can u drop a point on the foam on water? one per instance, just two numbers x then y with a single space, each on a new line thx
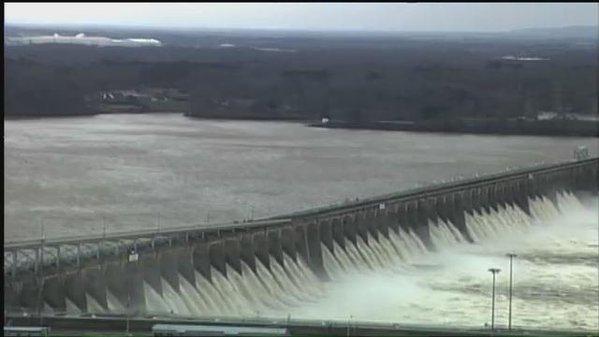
557 288
71 308
393 277
113 303
92 305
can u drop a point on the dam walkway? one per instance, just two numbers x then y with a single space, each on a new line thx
112 272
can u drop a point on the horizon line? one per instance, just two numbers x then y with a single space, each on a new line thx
275 29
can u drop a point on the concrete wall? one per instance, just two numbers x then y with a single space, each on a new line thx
302 238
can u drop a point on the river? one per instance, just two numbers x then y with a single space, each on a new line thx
70 176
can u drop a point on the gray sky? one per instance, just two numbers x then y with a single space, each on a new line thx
311 16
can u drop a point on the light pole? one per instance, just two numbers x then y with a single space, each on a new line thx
128 312
103 232
349 324
40 303
493 271
158 221
511 256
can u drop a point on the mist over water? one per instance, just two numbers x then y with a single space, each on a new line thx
128 168
396 279
555 276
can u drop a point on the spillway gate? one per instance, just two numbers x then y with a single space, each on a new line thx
81 270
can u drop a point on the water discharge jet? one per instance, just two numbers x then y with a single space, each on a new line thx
332 264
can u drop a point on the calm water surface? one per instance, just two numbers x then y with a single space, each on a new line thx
71 175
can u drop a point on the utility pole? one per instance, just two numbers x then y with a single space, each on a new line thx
511 256
493 271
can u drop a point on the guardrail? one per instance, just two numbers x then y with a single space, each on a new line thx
431 190
35 249
32 243
286 218
36 254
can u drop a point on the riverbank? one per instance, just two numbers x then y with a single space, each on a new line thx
570 128
87 114
561 128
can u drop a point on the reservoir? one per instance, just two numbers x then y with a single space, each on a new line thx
124 172
72 176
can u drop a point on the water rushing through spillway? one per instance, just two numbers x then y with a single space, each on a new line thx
395 278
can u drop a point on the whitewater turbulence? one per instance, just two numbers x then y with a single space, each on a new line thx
396 277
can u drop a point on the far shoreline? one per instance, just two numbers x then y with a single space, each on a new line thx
402 126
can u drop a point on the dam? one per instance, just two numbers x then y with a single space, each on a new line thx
267 266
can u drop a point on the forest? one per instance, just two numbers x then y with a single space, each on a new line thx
346 77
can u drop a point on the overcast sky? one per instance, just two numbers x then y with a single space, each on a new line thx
311 16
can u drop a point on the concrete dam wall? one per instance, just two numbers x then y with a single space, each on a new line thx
283 261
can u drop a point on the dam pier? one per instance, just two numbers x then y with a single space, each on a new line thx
212 270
